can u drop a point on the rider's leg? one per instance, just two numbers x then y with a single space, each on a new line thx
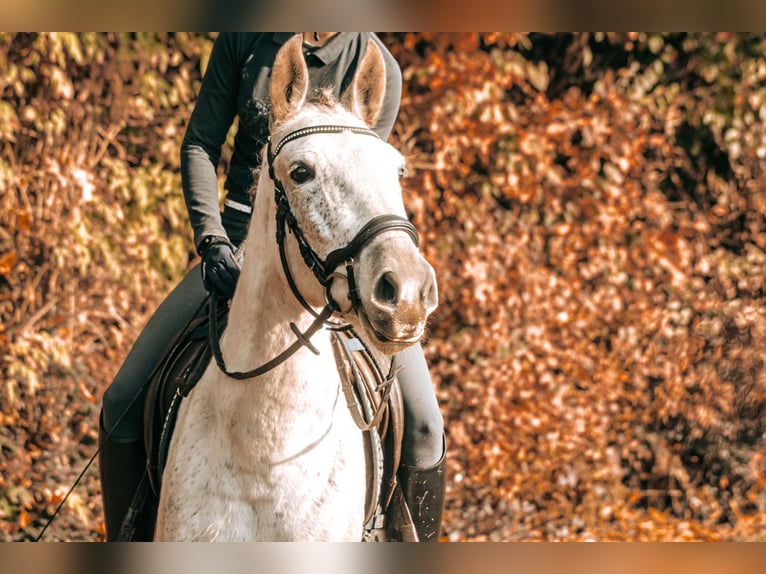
423 449
122 455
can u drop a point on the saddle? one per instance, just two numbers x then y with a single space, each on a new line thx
374 400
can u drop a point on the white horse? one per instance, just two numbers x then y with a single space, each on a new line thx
277 456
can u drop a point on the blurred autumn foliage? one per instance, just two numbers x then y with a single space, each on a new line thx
594 206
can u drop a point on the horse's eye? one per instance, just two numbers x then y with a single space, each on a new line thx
301 174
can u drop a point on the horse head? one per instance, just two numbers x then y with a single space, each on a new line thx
339 192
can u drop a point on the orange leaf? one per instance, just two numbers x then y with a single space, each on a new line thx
24 519
7 261
23 220
100 528
87 394
58 494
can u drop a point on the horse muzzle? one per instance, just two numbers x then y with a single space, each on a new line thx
397 303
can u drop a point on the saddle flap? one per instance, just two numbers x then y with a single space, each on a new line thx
182 366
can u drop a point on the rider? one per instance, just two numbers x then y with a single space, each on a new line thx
236 85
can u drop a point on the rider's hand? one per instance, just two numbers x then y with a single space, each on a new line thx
220 269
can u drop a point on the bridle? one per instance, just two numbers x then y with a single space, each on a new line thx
323 269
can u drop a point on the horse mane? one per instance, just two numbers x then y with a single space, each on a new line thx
323 98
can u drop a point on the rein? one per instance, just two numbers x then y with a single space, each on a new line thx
323 269
302 340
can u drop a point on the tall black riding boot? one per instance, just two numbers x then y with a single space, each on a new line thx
121 467
423 489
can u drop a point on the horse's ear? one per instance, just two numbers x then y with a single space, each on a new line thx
364 97
289 80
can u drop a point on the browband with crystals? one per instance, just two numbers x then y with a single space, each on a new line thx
318 130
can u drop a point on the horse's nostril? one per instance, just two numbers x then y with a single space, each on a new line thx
386 290
431 296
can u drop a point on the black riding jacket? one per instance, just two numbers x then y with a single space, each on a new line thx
236 85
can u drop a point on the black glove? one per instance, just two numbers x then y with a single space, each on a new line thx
220 270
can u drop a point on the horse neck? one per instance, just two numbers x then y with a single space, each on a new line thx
263 307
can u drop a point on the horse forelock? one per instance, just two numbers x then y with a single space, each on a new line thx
323 98
321 107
